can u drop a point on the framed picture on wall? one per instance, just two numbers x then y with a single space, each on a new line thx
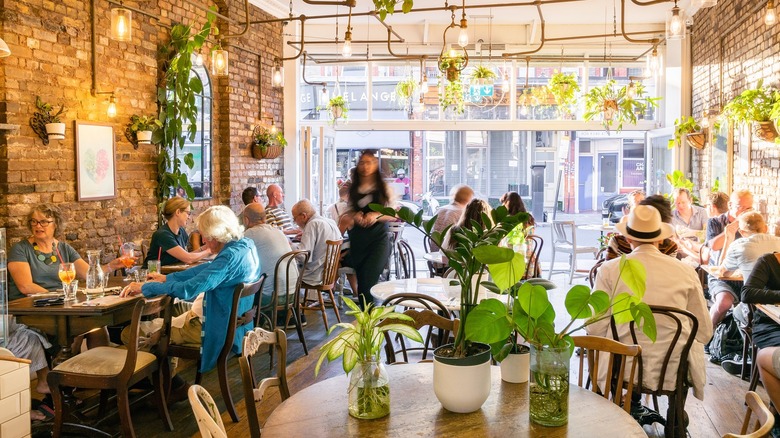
95 162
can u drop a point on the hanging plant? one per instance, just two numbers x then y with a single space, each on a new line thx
46 122
405 91
688 128
337 109
564 89
267 144
758 107
451 63
384 7
453 97
482 75
615 106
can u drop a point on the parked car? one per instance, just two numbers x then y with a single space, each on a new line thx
612 208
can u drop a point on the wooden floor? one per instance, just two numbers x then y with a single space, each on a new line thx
721 412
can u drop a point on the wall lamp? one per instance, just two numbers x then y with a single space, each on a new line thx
219 61
4 50
770 18
111 111
277 79
121 23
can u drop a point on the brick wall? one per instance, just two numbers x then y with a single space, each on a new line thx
51 57
732 50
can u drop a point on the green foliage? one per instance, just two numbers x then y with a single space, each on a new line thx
338 102
176 97
384 7
482 72
45 111
453 97
144 123
405 91
528 312
716 185
755 104
609 97
683 127
476 248
678 180
265 138
564 89
362 339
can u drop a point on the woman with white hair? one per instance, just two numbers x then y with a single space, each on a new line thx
236 262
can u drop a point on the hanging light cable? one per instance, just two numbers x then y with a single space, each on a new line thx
770 18
463 35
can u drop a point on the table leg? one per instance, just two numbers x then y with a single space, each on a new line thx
64 340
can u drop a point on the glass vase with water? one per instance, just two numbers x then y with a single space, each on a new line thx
94 275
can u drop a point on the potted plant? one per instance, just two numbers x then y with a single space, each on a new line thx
267 144
358 345
615 105
47 123
143 127
564 89
338 108
461 371
529 313
690 129
453 97
405 90
756 106
451 63
482 75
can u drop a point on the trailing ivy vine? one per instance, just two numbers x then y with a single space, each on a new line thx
177 97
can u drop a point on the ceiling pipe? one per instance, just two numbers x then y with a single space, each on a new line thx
205 9
303 72
390 49
604 35
389 28
650 3
347 3
541 43
246 24
541 58
302 19
653 41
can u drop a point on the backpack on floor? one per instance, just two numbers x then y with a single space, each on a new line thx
726 341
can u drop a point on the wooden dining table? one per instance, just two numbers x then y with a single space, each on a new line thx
434 287
723 275
321 410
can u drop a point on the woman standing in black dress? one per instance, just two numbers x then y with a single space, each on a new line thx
369 241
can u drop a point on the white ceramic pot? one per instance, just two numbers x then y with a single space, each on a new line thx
462 388
144 137
56 131
515 367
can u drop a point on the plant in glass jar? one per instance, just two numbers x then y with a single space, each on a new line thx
359 345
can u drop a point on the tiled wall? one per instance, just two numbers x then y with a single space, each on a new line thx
14 399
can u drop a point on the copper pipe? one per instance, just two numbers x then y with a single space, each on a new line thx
303 73
605 35
653 41
542 41
389 28
320 42
347 3
390 49
246 24
300 52
205 9
544 58
652 2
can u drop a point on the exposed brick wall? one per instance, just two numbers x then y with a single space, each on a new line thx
51 57
750 51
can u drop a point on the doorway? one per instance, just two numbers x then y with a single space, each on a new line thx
608 176
585 183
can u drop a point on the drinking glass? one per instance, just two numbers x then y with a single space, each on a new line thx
127 257
154 266
67 274
70 290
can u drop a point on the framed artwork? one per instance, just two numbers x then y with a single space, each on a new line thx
95 161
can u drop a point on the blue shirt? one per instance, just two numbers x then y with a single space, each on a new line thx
237 263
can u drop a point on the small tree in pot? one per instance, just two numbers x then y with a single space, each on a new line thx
47 123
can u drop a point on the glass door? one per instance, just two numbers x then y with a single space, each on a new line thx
319 165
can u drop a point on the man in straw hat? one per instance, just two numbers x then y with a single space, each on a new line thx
669 282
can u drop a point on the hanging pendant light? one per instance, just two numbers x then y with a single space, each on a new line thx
346 49
631 90
111 112
705 120
653 61
463 35
675 23
197 59
219 62
278 76
121 24
770 18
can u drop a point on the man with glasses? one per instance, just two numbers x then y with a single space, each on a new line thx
721 232
316 230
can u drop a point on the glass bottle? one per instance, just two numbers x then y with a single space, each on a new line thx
94 275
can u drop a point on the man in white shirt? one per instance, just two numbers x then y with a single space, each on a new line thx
450 213
316 231
670 283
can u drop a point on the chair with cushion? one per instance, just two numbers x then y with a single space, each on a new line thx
426 312
254 389
252 316
108 368
330 271
564 237
616 352
206 413
533 262
405 265
765 421
679 348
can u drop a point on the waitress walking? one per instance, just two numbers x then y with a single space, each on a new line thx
369 240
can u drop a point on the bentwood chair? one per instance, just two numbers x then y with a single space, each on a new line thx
117 369
426 312
405 265
254 389
251 316
330 271
564 237
765 421
533 264
206 413
616 361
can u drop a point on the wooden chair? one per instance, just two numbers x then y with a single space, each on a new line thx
426 312
617 354
765 421
330 271
287 282
675 414
564 237
253 389
242 290
405 265
206 413
118 369
534 266
434 269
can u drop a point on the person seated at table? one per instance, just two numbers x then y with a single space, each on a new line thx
472 213
340 207
250 195
236 262
718 204
275 214
721 232
34 267
271 244
514 204
170 241
699 252
632 200
669 282
685 214
618 244
450 214
316 230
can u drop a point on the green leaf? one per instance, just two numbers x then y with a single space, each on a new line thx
621 307
488 322
633 274
581 304
507 274
491 254
533 300
404 330
645 319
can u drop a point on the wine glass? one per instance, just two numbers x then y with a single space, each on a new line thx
67 274
127 257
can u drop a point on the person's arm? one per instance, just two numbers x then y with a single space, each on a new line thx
730 261
22 276
755 289
698 306
188 257
187 284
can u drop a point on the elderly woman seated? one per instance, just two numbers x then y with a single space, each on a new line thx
34 267
236 262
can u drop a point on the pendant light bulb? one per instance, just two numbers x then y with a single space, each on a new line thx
121 24
111 112
463 35
631 90
219 62
278 76
654 61
675 24
198 59
273 126
346 49
770 18
705 121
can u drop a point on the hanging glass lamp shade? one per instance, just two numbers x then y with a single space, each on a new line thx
121 24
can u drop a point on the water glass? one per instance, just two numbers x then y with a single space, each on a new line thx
154 266
140 275
70 290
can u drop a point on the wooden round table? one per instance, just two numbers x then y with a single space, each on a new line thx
321 410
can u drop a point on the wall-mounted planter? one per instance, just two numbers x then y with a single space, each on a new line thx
765 131
268 152
144 137
46 123
55 131
696 140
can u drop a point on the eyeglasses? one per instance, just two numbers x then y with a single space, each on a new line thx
44 223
